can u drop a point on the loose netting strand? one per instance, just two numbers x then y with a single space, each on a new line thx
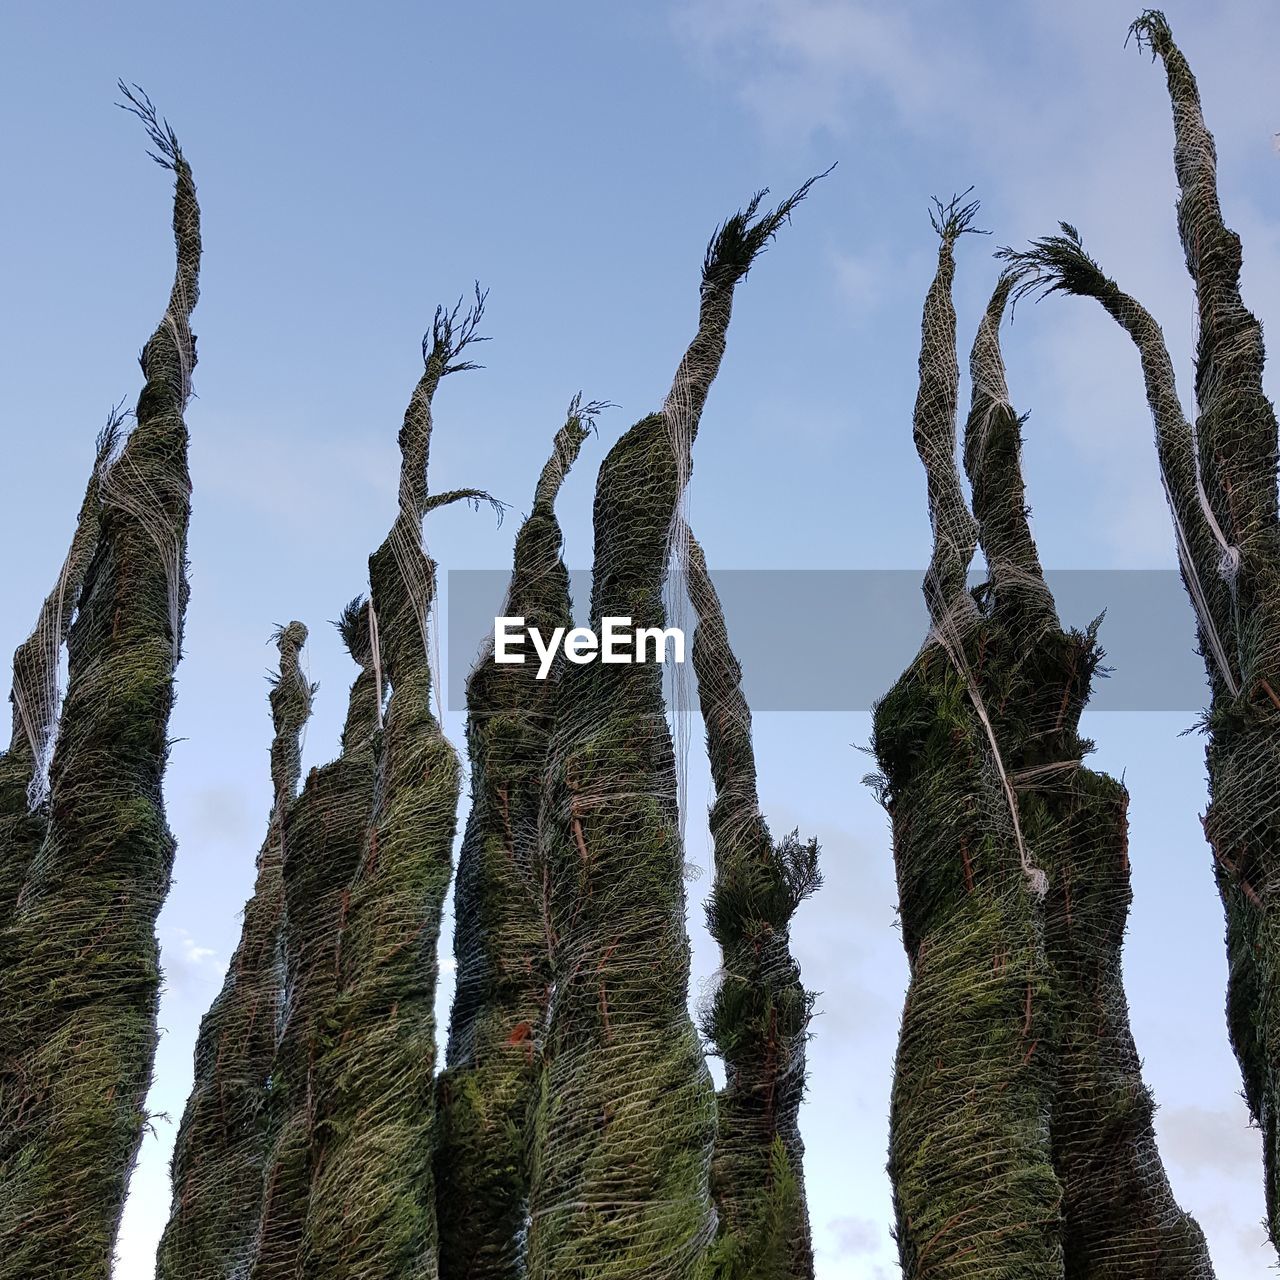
501 941
626 1117
80 957
757 1017
219 1157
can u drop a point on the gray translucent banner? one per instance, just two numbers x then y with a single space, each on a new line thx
837 639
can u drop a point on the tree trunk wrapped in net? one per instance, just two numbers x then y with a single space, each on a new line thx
1119 1214
1044 1161
35 694
1220 478
219 1157
971 1161
323 831
80 957
371 1211
500 940
757 1019
626 1118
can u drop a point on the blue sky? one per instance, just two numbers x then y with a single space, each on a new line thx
356 170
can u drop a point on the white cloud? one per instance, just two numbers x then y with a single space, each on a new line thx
798 64
1053 118
1200 1139
190 967
855 1237
195 954
1046 111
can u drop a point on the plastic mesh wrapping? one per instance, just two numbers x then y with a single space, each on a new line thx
626 1116
1119 1214
1021 1131
371 1211
80 958
219 1157
1219 474
323 832
758 1015
323 1038
975 1191
500 940
36 697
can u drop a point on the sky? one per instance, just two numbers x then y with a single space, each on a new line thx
354 171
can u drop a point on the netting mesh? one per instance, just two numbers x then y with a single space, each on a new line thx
500 941
1021 1136
219 1156
975 1193
757 1017
36 696
82 977
372 1206
349 1116
1119 1214
323 831
1219 474
626 1115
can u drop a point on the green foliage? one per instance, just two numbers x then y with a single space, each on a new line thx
486 1093
626 1118
220 1156
758 1017
1220 479
79 954
1021 1137
371 1202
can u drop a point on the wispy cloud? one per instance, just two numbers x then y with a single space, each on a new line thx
800 65
855 1237
1200 1139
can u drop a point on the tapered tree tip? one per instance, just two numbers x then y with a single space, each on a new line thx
167 153
111 436
740 239
702 591
1151 31
955 218
582 417
452 331
580 421
353 627
290 637
697 558
1005 286
1055 264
